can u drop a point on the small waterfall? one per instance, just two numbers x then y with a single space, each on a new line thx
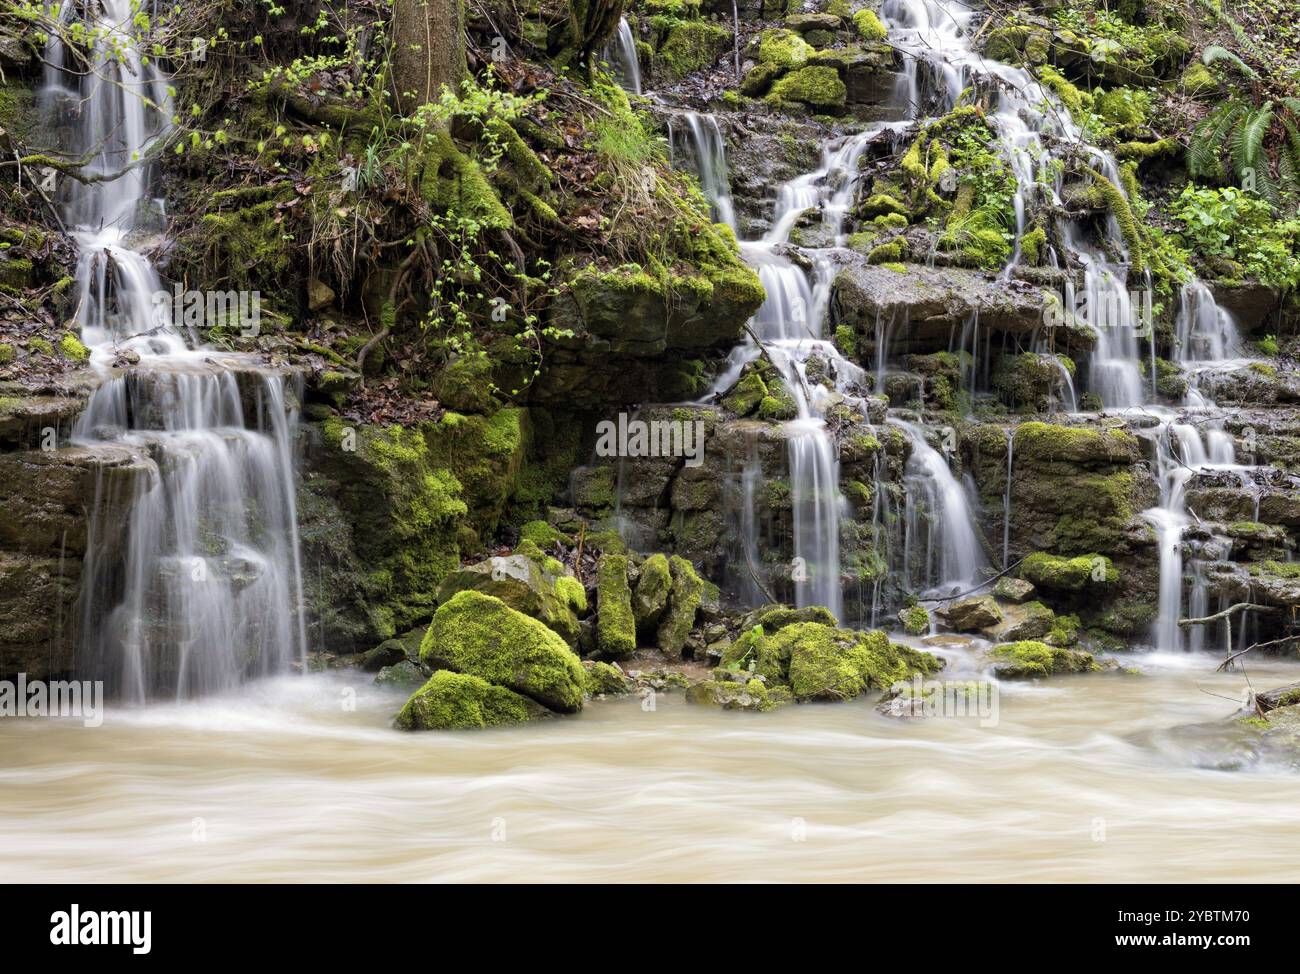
938 509
621 55
699 140
207 588
1006 502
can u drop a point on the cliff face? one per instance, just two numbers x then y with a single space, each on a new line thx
465 290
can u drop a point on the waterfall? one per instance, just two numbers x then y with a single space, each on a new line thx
700 141
621 55
207 587
937 512
1006 502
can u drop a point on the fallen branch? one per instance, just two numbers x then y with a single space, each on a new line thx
1239 607
972 591
1272 642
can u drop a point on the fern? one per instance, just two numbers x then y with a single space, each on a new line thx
1217 52
1208 138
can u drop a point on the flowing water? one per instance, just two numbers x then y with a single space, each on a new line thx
621 55
1089 778
205 589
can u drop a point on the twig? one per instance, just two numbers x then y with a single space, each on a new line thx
960 595
1239 607
1272 642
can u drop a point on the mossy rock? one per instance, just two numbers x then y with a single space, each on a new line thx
479 635
752 695
868 26
915 620
615 623
683 602
651 596
819 87
1077 445
522 583
1060 574
457 701
690 46
1028 659
759 79
783 49
747 394
606 679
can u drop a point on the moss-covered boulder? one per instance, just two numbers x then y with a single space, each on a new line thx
457 701
683 602
817 86
615 621
1059 574
753 695
480 635
915 620
524 585
821 662
1033 659
606 679
970 615
652 588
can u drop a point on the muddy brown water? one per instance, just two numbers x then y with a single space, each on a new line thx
1085 778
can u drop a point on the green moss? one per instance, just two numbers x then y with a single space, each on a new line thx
1047 442
40 346
747 394
453 182
778 405
1031 659
818 87
1148 150
571 592
1278 569
753 695
1068 574
892 252
544 535
482 636
7 353
1197 80
1032 245
1064 631
615 623
683 602
783 48
869 26
72 348
882 204
916 620
1110 196
652 590
1076 100
606 678
690 46
456 701
846 340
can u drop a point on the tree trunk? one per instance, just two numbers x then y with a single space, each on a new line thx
591 24
428 50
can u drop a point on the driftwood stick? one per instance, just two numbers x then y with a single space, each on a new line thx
1272 642
1239 607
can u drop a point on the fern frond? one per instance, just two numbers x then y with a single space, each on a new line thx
1217 52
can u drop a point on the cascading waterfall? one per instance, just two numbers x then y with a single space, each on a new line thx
937 520
621 55
207 587
698 137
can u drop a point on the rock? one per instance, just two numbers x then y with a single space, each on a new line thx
1008 589
480 635
651 596
970 615
934 301
615 622
752 695
805 22
1287 696
520 583
456 701
774 617
1060 574
683 603
407 673
606 679
319 295
1033 659
1032 620
393 651
817 86
915 620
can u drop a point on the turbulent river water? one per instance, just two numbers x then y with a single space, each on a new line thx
1087 778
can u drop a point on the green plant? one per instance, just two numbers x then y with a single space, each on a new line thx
1233 224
